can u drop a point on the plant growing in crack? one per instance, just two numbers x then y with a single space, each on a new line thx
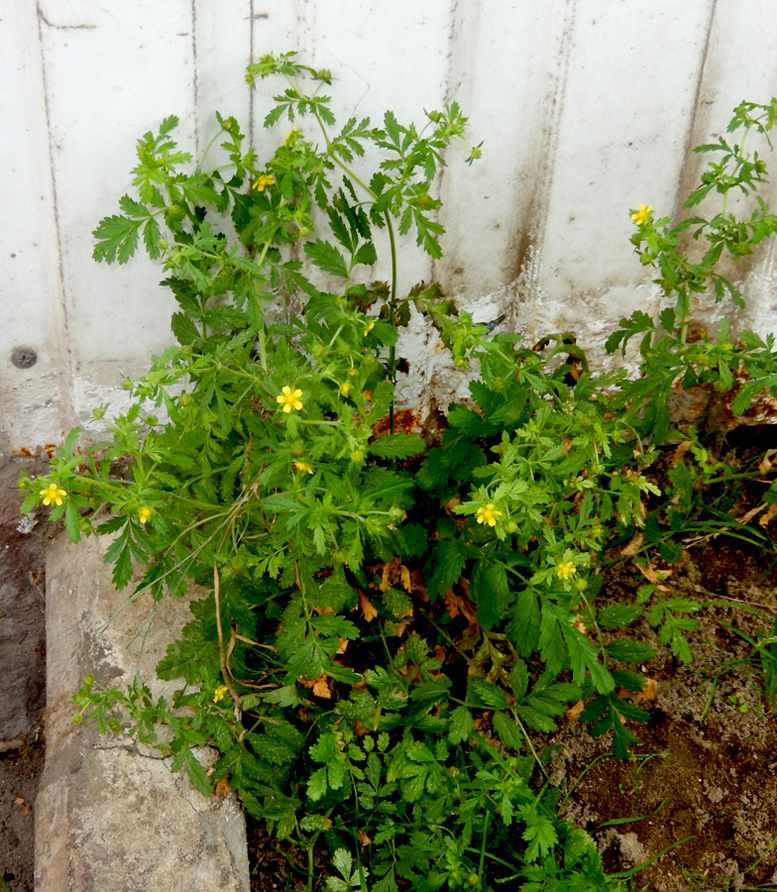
392 625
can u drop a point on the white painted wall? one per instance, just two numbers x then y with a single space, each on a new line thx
586 108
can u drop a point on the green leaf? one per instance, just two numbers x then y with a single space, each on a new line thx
616 616
72 522
188 660
449 563
630 651
540 832
327 258
399 445
584 656
509 732
519 679
334 593
536 719
485 693
524 628
151 238
343 863
132 208
117 239
413 787
366 254
197 773
490 591
461 725
316 788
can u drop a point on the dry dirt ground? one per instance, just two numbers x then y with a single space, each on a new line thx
705 768
704 771
23 669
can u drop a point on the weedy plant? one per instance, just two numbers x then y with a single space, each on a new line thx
392 624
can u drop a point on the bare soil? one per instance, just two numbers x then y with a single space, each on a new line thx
704 773
23 667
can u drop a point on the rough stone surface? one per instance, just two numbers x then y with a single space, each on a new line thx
108 816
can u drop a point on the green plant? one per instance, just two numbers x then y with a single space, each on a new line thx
392 625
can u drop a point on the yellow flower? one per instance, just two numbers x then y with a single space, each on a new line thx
53 493
487 515
266 179
641 214
345 388
291 136
369 326
303 466
289 399
565 570
218 694
353 372
144 513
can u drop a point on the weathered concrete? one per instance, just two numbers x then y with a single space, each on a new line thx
109 815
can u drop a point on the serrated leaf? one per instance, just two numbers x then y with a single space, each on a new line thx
413 787
197 773
535 719
366 254
343 863
461 725
398 446
335 593
72 522
524 628
519 679
117 239
487 694
132 207
151 237
312 823
509 732
616 616
187 659
316 788
630 711
449 564
489 588
184 329
630 651
539 833
327 258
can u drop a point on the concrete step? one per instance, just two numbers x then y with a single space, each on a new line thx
110 816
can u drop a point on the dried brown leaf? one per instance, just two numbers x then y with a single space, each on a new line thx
368 608
771 513
633 546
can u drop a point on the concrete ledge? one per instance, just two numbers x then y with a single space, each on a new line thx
110 818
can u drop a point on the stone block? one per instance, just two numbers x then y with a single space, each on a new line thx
110 816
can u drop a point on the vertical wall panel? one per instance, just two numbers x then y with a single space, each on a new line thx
112 71
34 401
725 82
386 54
628 93
585 110
506 72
